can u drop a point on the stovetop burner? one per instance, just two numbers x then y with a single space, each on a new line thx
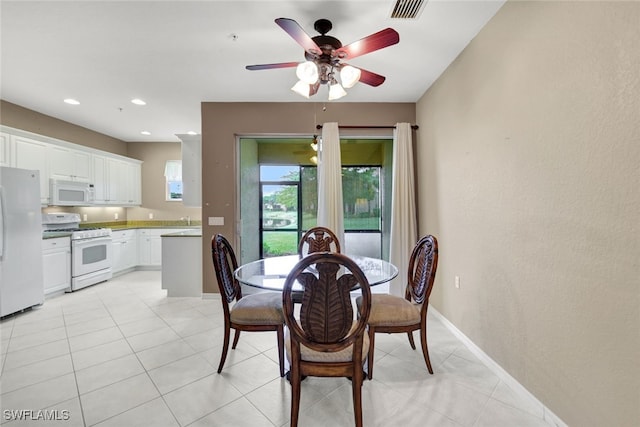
71 229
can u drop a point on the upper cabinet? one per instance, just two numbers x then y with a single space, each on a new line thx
69 164
5 149
32 154
191 170
116 179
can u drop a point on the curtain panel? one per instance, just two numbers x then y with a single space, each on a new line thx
330 207
403 207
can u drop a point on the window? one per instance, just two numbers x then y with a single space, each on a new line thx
173 177
288 207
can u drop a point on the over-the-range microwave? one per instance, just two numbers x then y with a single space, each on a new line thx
71 193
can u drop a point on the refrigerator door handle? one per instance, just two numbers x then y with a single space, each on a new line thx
1 222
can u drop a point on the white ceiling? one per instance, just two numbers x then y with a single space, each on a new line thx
177 54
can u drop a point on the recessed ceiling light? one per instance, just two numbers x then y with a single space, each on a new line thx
138 101
145 132
72 101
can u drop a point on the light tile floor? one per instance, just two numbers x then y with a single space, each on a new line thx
122 353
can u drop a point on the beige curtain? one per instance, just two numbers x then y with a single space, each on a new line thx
330 210
403 207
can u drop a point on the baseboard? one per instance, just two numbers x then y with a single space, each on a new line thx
504 376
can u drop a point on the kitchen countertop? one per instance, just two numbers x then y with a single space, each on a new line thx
193 230
185 233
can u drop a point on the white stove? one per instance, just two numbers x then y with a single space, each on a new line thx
90 248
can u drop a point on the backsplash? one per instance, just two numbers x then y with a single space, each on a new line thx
142 224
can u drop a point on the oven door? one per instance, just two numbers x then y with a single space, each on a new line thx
90 255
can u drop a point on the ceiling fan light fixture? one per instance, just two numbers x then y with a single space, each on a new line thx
349 76
307 72
305 89
336 91
302 89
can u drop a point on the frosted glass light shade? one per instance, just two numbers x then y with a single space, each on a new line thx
307 72
336 92
304 89
301 88
349 76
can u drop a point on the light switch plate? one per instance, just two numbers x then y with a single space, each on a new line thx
216 220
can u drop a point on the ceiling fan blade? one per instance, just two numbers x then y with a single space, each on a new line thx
272 66
376 41
370 78
299 35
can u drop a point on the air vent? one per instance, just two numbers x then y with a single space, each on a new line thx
407 9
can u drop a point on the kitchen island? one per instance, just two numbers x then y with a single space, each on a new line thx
182 263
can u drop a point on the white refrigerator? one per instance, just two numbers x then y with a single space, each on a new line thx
21 281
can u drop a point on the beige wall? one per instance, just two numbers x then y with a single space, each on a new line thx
529 147
223 122
17 117
155 156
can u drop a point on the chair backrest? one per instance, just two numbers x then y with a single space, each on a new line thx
422 269
326 320
318 239
225 263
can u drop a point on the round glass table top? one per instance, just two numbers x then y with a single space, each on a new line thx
271 273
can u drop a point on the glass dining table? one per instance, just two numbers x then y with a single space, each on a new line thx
271 273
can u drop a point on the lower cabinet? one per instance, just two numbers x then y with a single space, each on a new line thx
150 246
125 250
56 264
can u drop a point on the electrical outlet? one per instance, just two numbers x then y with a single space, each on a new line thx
84 217
150 215
457 282
115 215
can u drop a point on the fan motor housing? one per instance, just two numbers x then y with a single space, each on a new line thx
328 45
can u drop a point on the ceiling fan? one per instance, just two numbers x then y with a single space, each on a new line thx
325 55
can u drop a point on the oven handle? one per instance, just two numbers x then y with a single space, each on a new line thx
82 242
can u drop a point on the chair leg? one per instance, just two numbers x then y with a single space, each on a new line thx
425 350
295 395
236 337
372 338
280 334
356 385
410 336
225 347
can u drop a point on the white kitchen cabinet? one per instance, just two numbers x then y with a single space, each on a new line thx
5 149
150 245
69 164
56 264
134 183
100 179
125 250
31 154
191 170
116 181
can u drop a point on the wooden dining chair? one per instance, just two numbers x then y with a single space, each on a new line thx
391 314
325 341
318 239
252 313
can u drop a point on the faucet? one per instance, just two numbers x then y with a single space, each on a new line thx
188 219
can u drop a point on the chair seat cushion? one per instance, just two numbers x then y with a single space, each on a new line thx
390 310
264 308
310 355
